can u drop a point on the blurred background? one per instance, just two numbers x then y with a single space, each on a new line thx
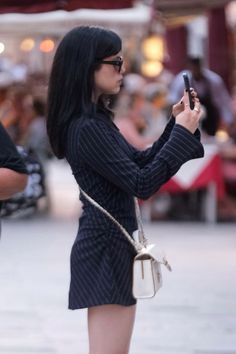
192 216
160 39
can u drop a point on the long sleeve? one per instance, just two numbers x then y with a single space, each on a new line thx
98 148
145 156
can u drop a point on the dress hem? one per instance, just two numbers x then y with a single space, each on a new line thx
105 303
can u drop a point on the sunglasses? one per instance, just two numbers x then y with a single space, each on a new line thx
117 63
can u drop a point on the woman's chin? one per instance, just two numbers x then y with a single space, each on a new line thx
116 90
113 91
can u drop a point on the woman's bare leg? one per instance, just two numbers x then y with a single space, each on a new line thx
110 328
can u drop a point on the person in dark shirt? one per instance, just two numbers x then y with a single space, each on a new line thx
13 173
87 69
212 92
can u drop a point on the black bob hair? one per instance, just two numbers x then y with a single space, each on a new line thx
71 81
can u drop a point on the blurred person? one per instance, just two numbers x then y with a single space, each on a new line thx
131 122
165 77
218 114
211 92
19 71
13 173
156 109
21 99
5 64
7 110
87 69
134 82
36 138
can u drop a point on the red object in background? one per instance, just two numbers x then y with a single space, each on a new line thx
213 172
29 6
176 40
219 57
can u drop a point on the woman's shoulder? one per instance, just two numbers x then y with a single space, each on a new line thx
95 121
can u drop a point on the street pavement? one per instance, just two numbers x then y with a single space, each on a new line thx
194 312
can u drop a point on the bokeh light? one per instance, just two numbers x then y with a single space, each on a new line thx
153 47
47 45
2 47
27 44
151 68
222 135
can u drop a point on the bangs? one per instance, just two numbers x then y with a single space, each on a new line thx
109 43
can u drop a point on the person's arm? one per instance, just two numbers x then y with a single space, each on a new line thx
145 156
13 173
11 182
100 150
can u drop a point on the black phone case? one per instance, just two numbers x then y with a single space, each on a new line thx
187 88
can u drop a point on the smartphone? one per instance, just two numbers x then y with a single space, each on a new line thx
187 88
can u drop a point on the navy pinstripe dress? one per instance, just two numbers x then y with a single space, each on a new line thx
112 171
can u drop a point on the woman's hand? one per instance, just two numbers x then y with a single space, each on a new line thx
179 107
186 117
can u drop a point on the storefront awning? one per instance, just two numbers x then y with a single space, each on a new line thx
35 6
58 22
179 12
173 8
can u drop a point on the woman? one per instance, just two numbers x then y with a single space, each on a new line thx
87 68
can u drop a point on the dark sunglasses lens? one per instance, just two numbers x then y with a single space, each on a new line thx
118 65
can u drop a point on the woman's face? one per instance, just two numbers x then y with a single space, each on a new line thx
108 78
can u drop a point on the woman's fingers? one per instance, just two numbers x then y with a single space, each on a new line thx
189 118
185 116
185 99
178 107
193 92
197 107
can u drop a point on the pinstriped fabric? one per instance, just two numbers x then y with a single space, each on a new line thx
101 272
112 171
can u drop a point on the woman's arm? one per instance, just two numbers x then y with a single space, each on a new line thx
145 156
98 148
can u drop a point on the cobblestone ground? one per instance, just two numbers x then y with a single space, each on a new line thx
194 312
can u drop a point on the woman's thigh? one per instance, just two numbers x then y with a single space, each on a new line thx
110 328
